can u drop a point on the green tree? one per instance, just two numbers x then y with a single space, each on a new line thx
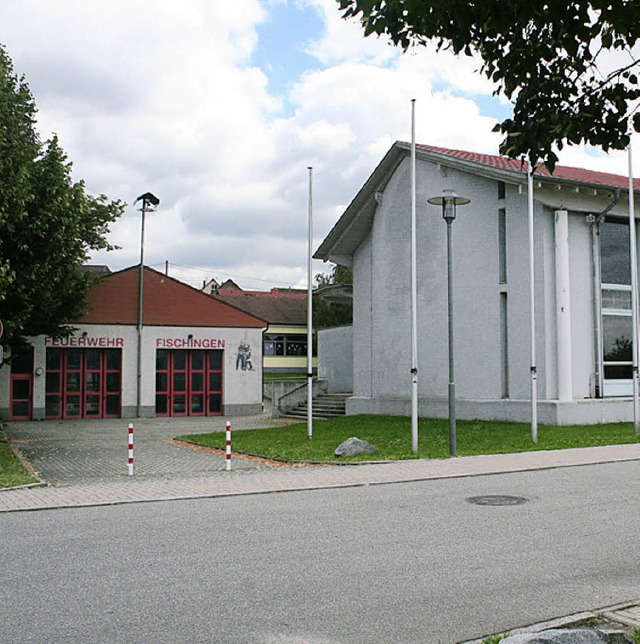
566 65
328 314
48 223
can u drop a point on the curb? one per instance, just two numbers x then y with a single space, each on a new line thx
609 614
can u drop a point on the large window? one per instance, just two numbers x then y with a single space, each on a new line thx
502 246
617 327
294 344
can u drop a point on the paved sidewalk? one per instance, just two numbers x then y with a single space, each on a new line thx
99 464
74 452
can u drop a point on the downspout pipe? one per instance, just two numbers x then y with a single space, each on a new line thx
595 221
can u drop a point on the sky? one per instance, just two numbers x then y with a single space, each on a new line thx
219 108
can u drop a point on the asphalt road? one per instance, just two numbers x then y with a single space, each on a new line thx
407 562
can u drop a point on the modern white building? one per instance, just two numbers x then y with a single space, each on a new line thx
193 356
583 315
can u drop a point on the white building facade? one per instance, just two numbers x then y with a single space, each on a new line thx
582 289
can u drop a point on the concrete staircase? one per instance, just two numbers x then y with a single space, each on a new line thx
324 406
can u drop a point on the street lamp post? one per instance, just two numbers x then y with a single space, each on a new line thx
149 203
449 201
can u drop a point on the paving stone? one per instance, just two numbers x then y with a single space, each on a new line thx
86 464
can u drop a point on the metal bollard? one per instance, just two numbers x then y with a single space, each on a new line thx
130 449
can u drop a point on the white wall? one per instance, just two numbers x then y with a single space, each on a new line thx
382 323
335 358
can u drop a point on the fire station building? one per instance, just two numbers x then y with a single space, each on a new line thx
192 356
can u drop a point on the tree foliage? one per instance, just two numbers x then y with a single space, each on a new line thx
330 314
48 223
566 65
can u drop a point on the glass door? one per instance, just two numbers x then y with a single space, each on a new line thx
72 395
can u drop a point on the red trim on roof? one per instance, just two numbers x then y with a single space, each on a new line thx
578 175
167 302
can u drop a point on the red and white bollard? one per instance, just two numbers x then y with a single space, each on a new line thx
130 449
228 456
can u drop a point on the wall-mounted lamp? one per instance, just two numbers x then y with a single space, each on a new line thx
39 371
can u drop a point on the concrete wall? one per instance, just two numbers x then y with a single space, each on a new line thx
335 358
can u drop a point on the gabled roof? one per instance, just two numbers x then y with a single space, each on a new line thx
99 269
229 285
356 220
167 302
274 308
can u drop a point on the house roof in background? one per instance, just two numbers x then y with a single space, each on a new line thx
167 302
274 307
229 285
98 269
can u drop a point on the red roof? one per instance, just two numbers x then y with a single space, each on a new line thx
578 175
167 302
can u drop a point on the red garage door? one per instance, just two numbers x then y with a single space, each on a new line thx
83 383
188 382
21 387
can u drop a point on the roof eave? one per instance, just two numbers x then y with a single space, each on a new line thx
339 245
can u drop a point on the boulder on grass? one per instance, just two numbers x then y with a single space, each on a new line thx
353 446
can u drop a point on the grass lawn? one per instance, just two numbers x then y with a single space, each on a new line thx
12 471
391 436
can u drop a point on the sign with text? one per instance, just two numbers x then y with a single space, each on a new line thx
84 341
189 343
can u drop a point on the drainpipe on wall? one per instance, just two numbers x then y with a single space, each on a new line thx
595 221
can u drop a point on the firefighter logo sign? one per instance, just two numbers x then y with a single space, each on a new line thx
243 357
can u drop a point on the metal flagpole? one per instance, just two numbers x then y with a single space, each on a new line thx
532 309
310 314
414 290
634 292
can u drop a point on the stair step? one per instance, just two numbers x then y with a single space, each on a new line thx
324 406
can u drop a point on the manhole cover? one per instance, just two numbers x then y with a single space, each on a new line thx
496 499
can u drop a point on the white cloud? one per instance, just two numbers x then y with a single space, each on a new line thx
163 96
342 40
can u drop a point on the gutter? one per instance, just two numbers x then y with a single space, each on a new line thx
595 221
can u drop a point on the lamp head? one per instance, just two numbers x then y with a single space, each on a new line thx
449 201
148 199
